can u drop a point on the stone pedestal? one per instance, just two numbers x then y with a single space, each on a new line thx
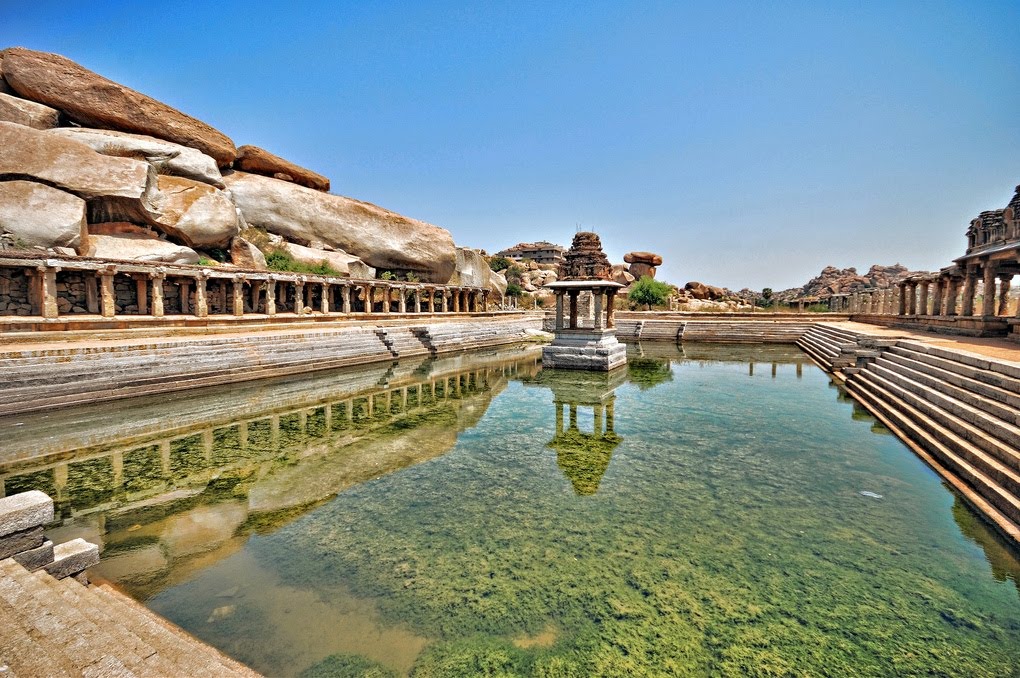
584 349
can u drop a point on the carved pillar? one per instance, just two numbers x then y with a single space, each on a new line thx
201 298
299 295
387 298
940 293
1004 284
485 301
324 301
308 298
455 300
270 296
431 291
238 285
157 293
417 300
610 297
443 301
107 295
255 294
902 309
969 290
347 298
988 299
142 293
402 299
184 293
951 294
48 291
369 294
912 299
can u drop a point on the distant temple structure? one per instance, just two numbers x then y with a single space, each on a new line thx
585 271
540 252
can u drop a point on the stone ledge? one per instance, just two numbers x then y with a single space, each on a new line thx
24 511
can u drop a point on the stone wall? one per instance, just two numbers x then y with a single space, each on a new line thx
15 288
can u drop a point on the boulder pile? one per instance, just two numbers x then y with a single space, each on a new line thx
93 168
642 264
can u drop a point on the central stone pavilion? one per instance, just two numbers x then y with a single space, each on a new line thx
589 343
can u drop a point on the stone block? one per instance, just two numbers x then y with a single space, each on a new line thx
16 542
73 557
24 511
35 558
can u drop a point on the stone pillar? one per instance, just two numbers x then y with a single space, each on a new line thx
417 300
1004 284
598 312
369 294
456 300
912 299
324 301
108 297
485 301
443 301
387 297
346 296
157 293
951 294
572 294
201 299
92 292
940 293
902 308
988 299
270 296
610 297
238 285
308 298
559 309
142 293
922 298
402 299
969 290
299 295
48 291
184 295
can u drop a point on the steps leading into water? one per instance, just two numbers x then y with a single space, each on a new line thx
960 412
57 627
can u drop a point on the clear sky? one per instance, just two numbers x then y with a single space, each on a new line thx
750 144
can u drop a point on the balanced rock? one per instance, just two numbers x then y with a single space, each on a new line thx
472 269
643 258
640 270
36 215
195 213
28 113
245 255
340 261
116 189
93 101
620 274
260 161
166 156
382 239
133 246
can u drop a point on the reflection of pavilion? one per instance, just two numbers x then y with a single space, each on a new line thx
584 456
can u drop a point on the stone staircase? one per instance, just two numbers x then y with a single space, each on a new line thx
836 349
960 412
745 331
34 379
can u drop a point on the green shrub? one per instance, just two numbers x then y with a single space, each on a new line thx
649 291
278 260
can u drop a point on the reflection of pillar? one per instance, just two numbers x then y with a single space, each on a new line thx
327 417
349 409
750 369
573 416
164 457
559 418
800 370
597 417
302 419
773 370
117 461
242 435
60 479
207 444
371 405
274 431
610 409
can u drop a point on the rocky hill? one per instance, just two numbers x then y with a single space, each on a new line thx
89 167
833 280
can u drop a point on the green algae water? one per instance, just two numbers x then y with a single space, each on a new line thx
706 510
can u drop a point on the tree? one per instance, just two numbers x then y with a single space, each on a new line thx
514 290
649 291
500 263
766 295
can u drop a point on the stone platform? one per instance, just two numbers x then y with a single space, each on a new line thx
584 349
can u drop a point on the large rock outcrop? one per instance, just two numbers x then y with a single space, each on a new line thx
28 113
245 255
195 213
343 263
497 283
382 239
472 269
260 161
116 189
93 101
132 243
166 156
34 214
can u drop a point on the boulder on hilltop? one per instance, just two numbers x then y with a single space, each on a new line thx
91 100
260 161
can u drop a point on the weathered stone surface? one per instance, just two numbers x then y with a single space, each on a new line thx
621 275
37 557
24 510
497 283
117 189
472 269
195 213
137 247
345 263
4 87
72 557
643 258
382 239
28 113
700 290
38 215
640 270
166 156
260 161
94 101
245 255
23 540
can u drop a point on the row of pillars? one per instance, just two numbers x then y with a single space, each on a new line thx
602 417
333 298
603 303
947 295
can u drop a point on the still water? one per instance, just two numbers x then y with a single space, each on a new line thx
707 510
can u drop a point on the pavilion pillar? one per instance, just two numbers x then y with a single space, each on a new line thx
254 294
902 308
431 292
184 295
48 291
91 293
940 293
1004 285
485 301
369 294
417 300
107 295
142 293
952 292
238 285
988 298
201 298
456 301
912 299
969 290
922 297
610 298
324 301
572 294
559 310
402 299
270 297
443 301
387 297
308 298
157 293
299 296
345 296
598 313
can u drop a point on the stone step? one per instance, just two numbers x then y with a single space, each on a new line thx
1000 506
822 360
1002 375
981 430
821 346
27 654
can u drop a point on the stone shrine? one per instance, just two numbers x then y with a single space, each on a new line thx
585 270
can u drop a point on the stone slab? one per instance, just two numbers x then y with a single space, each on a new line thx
24 511
24 540
72 557
35 558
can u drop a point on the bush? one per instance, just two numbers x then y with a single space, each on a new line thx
500 263
649 291
278 260
514 290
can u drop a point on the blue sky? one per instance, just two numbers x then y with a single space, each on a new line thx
750 144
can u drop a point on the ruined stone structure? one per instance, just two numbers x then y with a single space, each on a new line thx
540 252
585 259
